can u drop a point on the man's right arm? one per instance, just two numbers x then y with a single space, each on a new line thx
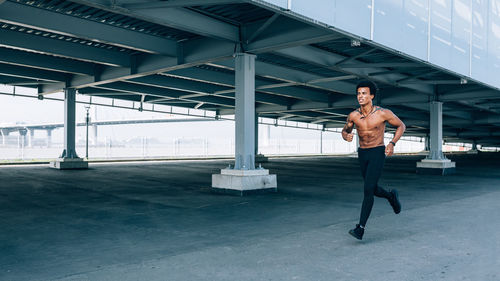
347 130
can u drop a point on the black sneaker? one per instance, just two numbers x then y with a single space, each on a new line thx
396 205
357 232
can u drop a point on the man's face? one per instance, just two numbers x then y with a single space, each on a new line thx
364 95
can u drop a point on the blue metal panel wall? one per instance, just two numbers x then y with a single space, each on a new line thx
354 16
351 16
460 35
310 8
494 41
415 27
402 25
440 33
388 23
279 3
460 29
480 24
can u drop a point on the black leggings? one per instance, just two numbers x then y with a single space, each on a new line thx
372 163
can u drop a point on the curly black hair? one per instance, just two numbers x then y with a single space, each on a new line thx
369 84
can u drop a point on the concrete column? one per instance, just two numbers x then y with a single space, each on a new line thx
94 127
21 141
24 136
31 137
244 178
245 112
69 124
436 131
69 159
321 142
3 137
474 149
436 162
49 138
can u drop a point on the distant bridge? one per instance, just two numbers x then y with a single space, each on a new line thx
28 130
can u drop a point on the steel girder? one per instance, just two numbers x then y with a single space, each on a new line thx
32 17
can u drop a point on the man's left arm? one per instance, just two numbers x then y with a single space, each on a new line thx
392 119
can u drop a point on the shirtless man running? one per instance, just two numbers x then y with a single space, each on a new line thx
370 125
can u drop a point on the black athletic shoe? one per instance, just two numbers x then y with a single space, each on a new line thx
357 232
396 205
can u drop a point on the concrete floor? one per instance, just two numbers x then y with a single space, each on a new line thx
159 221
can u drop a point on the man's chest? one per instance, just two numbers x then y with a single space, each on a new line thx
369 123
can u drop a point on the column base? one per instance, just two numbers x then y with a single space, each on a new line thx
69 164
473 151
244 182
260 158
435 167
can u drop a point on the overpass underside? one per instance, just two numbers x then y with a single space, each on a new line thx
292 66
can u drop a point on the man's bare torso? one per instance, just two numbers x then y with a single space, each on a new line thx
370 128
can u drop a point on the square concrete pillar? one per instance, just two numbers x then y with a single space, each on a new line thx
243 182
244 178
436 163
69 159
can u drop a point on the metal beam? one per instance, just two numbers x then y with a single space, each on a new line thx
196 52
293 75
227 79
137 5
204 75
15 81
30 73
458 114
296 34
382 64
181 86
488 119
141 89
356 56
178 84
163 93
46 20
472 134
418 76
469 95
326 59
47 45
40 61
190 21
178 18
199 89
151 64
432 82
409 98
262 27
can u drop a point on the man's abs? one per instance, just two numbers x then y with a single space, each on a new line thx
371 138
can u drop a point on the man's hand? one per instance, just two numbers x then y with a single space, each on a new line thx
348 137
347 131
389 149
